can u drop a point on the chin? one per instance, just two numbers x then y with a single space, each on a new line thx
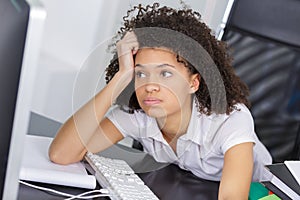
156 112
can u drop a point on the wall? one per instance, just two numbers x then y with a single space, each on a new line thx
74 31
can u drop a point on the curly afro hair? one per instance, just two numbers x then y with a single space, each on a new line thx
188 22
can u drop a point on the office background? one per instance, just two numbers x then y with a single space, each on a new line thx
73 30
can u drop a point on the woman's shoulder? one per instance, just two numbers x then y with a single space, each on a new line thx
240 110
241 107
241 115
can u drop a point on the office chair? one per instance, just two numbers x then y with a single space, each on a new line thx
296 151
264 38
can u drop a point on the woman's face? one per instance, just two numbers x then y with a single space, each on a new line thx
163 85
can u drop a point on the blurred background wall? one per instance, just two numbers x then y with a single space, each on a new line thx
75 40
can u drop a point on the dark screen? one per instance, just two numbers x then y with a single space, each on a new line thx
14 15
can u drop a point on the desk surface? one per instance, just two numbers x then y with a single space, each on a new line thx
167 181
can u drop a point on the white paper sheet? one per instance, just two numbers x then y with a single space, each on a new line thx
294 167
36 166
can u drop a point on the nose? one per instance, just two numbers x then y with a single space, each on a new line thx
152 87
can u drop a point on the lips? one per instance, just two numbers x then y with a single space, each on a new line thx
150 101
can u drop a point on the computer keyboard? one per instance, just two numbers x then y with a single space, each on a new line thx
118 177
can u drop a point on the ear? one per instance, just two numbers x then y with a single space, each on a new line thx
194 82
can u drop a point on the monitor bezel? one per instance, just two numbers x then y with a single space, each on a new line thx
37 15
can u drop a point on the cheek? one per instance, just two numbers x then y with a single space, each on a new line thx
178 88
139 92
175 96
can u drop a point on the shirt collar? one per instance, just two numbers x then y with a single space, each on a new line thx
198 129
194 129
202 127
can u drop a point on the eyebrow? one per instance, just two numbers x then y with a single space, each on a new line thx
158 66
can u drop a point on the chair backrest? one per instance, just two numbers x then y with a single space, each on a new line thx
264 37
296 151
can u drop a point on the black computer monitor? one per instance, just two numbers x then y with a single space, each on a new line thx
21 25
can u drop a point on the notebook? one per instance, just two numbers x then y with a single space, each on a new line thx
37 167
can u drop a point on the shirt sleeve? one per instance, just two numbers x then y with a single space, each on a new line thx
123 120
134 125
238 128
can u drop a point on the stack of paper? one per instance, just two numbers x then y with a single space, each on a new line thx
286 178
37 167
294 167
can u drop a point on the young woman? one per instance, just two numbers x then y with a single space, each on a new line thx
171 112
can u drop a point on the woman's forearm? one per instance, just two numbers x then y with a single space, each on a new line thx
70 143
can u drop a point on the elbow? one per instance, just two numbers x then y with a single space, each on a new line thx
233 196
59 157
233 192
56 157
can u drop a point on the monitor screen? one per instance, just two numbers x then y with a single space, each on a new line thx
20 32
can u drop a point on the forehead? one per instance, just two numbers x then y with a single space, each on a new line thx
155 56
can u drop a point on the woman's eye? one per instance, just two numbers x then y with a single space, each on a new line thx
166 74
140 75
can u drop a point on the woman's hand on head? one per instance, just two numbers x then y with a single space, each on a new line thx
126 48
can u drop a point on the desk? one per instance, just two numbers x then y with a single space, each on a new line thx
167 181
